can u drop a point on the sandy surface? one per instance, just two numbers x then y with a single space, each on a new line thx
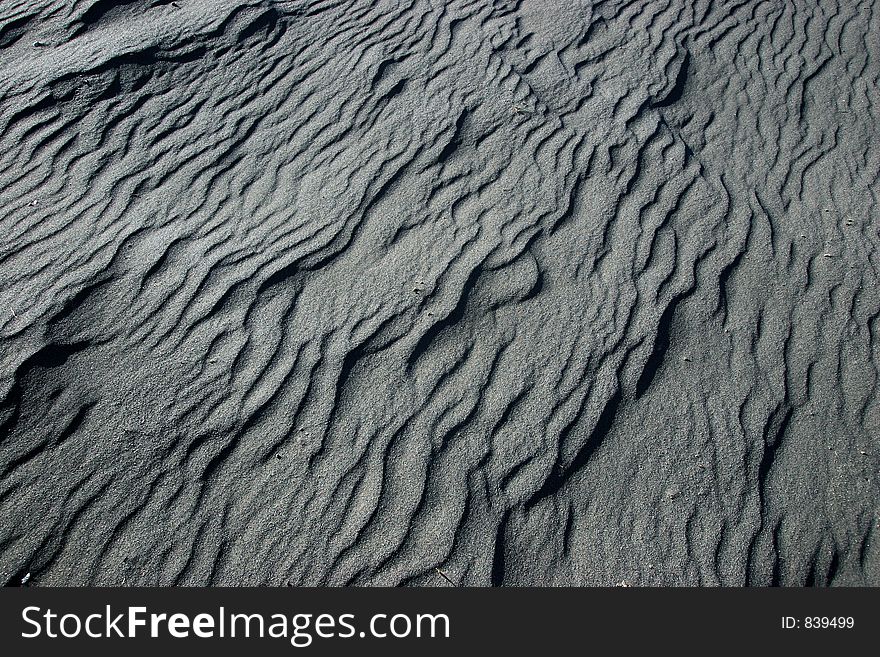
347 292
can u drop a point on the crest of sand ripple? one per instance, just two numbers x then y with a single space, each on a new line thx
526 292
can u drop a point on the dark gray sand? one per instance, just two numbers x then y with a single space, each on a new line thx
350 292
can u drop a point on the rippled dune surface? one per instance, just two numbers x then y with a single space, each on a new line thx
422 292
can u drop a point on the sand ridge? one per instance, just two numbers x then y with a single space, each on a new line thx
493 293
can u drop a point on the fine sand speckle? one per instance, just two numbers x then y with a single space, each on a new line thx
439 293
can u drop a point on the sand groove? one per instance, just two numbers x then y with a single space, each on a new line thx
342 292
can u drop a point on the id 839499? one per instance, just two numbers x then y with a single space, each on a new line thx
818 622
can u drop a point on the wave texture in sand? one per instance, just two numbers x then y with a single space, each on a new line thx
349 292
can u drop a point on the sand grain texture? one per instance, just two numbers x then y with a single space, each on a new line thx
340 292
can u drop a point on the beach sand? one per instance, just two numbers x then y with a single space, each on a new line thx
329 292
